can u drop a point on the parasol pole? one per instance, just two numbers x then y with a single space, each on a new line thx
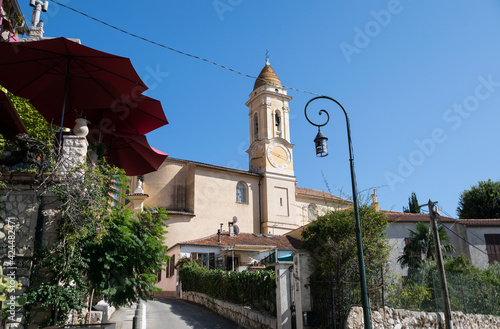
100 125
64 101
109 147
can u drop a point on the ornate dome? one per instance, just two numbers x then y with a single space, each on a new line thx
267 77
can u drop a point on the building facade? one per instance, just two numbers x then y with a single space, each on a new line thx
202 197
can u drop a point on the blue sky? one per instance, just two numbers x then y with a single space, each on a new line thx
420 81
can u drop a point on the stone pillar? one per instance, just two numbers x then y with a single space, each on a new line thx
137 198
136 201
301 274
73 153
283 295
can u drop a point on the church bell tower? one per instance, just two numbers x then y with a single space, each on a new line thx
270 147
270 151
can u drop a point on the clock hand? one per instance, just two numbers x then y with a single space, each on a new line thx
279 156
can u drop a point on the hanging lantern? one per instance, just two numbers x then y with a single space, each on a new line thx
321 144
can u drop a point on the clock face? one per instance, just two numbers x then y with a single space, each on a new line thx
257 157
278 155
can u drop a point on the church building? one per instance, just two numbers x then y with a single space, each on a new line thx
203 198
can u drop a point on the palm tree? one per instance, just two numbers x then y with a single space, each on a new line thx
421 243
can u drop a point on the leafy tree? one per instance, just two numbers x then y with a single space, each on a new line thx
422 243
100 247
35 123
123 267
59 283
331 238
413 206
480 201
331 241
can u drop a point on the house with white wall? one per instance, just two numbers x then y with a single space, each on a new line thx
226 250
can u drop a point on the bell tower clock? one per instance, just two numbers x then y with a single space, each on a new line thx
270 153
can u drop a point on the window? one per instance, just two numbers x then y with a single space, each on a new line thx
255 126
241 192
204 259
229 263
312 211
277 123
493 247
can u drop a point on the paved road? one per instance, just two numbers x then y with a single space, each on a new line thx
180 314
123 317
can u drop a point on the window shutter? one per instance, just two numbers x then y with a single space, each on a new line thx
211 261
172 265
492 247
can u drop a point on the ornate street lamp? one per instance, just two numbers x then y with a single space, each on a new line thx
322 150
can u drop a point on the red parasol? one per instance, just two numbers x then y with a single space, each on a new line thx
64 75
132 153
139 116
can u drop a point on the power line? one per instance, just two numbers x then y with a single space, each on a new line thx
178 51
464 240
447 214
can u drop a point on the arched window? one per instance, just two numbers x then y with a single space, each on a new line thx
241 192
277 123
312 211
255 126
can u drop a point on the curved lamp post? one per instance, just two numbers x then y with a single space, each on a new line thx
322 151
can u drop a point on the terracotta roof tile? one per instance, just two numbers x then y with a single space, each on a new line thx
318 194
247 239
394 216
267 77
481 222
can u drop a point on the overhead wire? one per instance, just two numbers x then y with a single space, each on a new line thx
458 236
223 67
176 50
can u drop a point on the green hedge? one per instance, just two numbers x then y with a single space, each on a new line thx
254 289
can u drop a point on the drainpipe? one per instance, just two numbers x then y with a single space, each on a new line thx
260 205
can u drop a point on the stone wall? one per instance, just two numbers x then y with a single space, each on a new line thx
402 319
243 316
18 220
25 216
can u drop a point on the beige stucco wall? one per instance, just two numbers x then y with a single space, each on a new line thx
322 206
200 198
278 212
171 186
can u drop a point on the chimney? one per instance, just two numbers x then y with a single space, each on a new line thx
374 204
218 236
231 228
36 28
38 6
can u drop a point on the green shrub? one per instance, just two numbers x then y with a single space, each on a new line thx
254 289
